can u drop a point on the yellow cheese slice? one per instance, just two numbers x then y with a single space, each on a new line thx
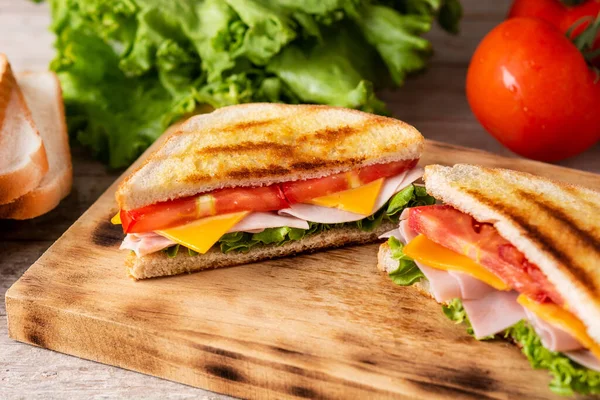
116 220
436 256
202 234
563 319
360 200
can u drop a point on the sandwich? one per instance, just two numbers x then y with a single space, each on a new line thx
42 94
257 181
513 256
23 162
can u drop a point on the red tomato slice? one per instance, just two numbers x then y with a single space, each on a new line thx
177 212
302 191
159 216
482 243
268 198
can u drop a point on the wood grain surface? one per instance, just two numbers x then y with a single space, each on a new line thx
433 101
327 325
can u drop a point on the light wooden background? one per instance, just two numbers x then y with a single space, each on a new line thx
434 102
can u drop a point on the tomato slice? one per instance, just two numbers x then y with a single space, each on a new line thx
224 201
268 198
302 191
482 243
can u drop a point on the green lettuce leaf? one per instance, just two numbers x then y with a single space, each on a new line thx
568 376
130 68
397 38
407 272
324 75
449 16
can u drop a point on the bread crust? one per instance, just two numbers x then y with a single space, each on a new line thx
262 144
19 181
555 225
158 264
57 182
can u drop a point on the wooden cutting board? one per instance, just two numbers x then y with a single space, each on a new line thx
327 325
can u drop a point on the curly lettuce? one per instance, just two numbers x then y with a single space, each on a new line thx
130 68
568 377
410 196
407 272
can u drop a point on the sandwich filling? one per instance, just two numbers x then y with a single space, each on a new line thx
483 279
237 219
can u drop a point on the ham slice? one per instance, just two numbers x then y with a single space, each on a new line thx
441 284
470 288
328 215
145 243
553 338
494 313
393 233
259 221
585 358
407 234
151 242
324 215
394 184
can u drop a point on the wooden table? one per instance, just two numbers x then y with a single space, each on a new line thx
434 102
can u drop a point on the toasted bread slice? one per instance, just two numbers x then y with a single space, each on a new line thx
23 161
556 225
159 264
262 144
44 97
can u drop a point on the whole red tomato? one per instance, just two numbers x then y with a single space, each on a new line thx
560 15
531 88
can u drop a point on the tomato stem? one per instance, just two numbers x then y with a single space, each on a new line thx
585 40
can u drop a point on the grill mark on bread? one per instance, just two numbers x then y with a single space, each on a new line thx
315 164
277 170
588 238
584 237
536 235
240 126
281 149
247 173
333 134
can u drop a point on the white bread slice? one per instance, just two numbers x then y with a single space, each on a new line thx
44 97
555 225
158 264
262 144
23 161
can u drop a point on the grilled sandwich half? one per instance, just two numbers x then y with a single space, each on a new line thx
256 181
512 254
